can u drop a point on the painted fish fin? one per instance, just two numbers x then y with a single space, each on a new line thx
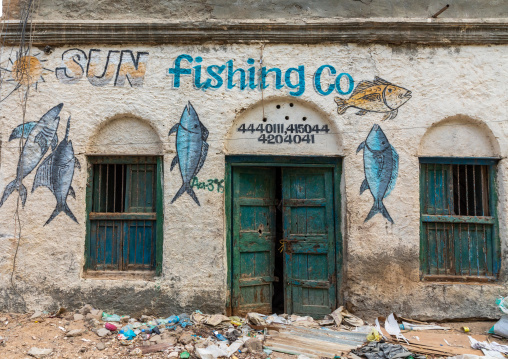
173 129
59 209
174 162
361 147
202 158
379 207
391 115
361 112
22 130
342 105
204 131
41 141
362 86
364 186
71 192
77 163
380 81
43 175
11 187
372 97
395 172
54 142
186 188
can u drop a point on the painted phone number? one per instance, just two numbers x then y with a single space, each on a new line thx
279 133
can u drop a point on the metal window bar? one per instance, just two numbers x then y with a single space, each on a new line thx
456 203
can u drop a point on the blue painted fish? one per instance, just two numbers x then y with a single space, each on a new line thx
56 173
39 136
381 167
191 149
375 96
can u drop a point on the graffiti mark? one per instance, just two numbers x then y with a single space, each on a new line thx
377 96
120 65
381 168
39 137
210 184
26 70
191 149
56 173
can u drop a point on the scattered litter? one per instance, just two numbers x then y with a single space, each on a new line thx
492 349
501 327
62 329
375 350
392 327
410 326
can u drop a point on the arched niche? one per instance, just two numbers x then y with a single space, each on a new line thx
284 126
459 136
125 135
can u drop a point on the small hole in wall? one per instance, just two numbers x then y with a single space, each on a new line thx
305 118
287 117
265 119
291 104
278 106
260 231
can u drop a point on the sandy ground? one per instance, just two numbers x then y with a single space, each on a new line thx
20 333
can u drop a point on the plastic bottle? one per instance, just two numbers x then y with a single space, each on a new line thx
172 319
219 336
185 320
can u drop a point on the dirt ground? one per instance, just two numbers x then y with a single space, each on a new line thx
19 334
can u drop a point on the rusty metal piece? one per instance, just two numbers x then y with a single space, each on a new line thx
441 11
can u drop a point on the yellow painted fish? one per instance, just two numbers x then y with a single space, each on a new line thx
375 96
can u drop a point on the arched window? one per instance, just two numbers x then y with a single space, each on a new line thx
124 199
459 229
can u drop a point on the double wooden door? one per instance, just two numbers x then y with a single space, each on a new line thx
308 239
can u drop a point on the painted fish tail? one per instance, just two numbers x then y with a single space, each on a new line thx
11 187
186 188
379 207
61 208
342 105
8 190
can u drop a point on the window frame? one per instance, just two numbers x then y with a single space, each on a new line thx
126 159
491 163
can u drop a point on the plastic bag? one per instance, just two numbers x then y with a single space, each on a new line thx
110 317
502 304
373 335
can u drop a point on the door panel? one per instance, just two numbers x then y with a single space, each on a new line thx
253 239
309 238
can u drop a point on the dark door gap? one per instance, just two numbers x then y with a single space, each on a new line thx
278 286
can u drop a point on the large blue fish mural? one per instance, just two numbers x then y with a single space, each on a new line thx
191 149
381 168
39 136
56 173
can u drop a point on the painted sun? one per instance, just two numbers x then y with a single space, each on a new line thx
25 70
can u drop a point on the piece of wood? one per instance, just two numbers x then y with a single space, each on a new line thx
146 349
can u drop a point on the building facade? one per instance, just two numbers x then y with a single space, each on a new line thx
226 163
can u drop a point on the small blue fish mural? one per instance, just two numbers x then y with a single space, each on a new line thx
191 149
381 168
39 136
56 173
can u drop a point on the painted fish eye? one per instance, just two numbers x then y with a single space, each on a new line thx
389 90
383 142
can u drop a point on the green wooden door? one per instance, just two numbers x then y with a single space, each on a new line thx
253 239
309 240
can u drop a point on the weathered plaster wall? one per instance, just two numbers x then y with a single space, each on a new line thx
381 259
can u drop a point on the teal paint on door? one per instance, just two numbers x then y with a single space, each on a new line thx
253 239
309 237
309 240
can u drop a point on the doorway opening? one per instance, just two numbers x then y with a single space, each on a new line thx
284 234
278 285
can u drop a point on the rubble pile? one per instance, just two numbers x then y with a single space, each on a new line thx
92 333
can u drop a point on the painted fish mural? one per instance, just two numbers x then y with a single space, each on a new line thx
39 136
191 149
381 167
56 173
375 96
